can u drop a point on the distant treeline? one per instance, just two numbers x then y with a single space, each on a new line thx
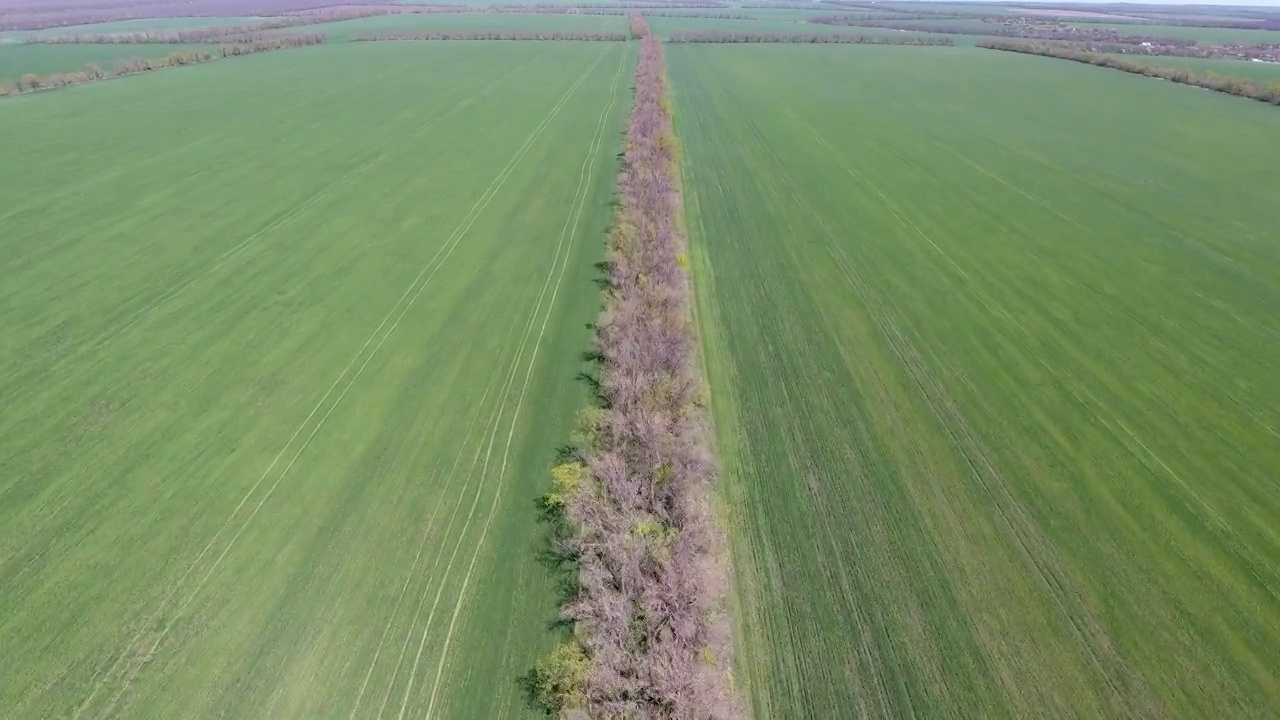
1037 31
31 82
1273 24
699 36
581 9
1264 52
248 32
1243 87
703 15
491 35
638 27
37 17
150 38
1129 15
1173 22
1269 17
788 6
856 5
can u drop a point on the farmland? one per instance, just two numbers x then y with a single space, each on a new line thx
280 386
852 380
992 368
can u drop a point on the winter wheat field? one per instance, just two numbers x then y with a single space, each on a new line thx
988 346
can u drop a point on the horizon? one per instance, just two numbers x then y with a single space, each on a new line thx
1186 3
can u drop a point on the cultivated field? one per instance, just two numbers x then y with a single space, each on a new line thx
283 369
289 345
992 355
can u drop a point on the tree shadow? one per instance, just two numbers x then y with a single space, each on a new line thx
561 563
604 275
553 551
528 684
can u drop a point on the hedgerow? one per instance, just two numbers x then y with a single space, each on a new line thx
650 637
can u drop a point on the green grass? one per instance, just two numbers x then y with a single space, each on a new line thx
460 22
289 342
15 60
992 348
1263 72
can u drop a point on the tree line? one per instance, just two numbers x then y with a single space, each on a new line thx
1035 30
1131 16
639 28
1265 52
703 15
246 32
31 82
1243 87
650 636
39 16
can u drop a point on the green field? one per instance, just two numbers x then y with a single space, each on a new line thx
993 363
283 368
15 60
289 342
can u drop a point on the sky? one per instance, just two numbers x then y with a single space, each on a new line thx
1233 3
